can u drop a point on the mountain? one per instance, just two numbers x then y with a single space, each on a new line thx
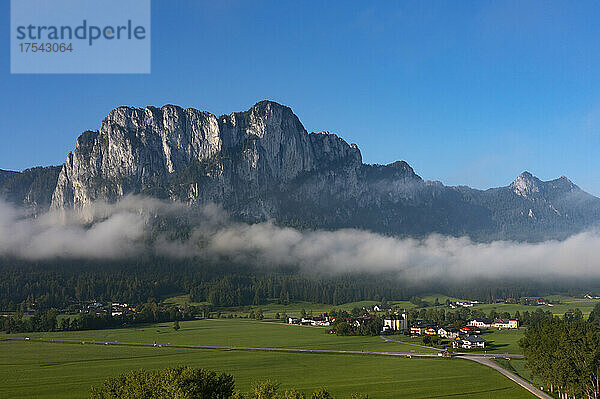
262 164
195 156
529 207
31 188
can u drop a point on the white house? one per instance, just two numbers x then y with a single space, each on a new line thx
469 342
395 322
423 329
481 323
315 321
505 324
448 332
381 308
465 304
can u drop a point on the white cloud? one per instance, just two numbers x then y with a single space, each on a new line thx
105 231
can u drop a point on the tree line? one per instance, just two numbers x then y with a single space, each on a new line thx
255 289
49 321
564 353
66 283
368 327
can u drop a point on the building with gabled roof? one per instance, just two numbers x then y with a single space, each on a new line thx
469 342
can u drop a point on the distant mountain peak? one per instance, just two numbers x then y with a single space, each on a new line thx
269 103
526 185
526 175
530 187
563 184
565 180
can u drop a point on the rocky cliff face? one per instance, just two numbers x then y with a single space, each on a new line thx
31 188
194 156
262 164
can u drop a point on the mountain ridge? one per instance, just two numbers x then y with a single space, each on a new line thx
262 164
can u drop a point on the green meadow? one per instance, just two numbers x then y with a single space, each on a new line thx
243 332
271 309
518 367
233 332
561 303
503 341
48 370
53 370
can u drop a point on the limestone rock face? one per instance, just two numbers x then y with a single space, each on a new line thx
526 185
151 150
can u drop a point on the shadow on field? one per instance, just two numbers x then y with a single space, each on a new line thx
472 392
103 359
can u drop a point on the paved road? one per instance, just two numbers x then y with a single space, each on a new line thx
409 343
490 363
481 358
76 341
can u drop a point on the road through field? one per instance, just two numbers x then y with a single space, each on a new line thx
490 363
484 359
409 343
354 352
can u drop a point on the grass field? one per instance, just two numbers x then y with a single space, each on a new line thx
227 332
45 370
517 366
562 303
294 309
272 308
504 341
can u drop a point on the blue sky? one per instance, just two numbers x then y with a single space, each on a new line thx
466 92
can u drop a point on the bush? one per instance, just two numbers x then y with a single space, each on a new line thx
321 393
169 383
190 383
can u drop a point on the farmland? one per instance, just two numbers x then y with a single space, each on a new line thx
561 303
47 370
504 341
225 332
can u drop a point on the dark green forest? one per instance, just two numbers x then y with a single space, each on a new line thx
42 285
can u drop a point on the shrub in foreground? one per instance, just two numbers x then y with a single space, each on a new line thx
190 383
173 383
